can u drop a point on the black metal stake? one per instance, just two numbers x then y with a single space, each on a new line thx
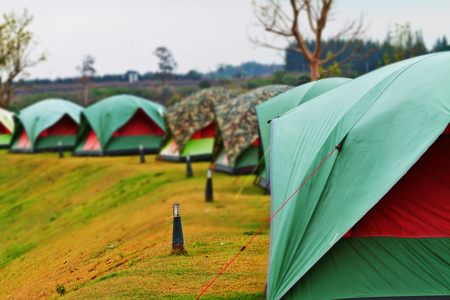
209 187
141 152
189 172
177 235
60 150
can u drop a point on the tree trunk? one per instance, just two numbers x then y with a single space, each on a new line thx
86 95
314 66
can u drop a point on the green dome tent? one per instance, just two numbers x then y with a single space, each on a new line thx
6 128
191 125
45 124
373 222
237 141
119 125
283 103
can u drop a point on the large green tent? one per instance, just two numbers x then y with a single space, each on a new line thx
6 128
283 103
44 125
373 222
119 125
237 140
191 125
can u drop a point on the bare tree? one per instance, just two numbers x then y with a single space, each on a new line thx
87 71
275 17
16 46
166 63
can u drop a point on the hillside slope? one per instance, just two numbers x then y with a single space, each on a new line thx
102 229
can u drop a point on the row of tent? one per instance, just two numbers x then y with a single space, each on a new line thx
214 124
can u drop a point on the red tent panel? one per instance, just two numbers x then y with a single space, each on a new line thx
418 206
207 132
3 129
24 141
92 142
65 126
139 124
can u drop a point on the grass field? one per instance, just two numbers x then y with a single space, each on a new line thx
101 228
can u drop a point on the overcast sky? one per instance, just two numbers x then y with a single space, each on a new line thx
122 35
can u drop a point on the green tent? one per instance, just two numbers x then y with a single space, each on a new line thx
119 125
6 128
45 124
283 103
373 222
237 141
191 125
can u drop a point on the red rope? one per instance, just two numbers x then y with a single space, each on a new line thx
243 248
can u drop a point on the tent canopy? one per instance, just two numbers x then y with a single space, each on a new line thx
109 115
36 118
287 101
189 116
384 121
237 119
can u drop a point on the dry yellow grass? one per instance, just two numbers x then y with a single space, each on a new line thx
102 228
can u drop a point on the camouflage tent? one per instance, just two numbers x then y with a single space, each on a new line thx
239 135
190 125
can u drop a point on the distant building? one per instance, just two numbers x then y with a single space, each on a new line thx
132 76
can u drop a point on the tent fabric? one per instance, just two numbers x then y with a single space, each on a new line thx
378 267
237 119
119 125
285 102
189 116
6 127
40 123
384 121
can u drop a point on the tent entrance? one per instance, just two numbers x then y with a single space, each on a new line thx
65 126
139 124
418 205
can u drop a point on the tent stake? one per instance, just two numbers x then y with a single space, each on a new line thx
209 187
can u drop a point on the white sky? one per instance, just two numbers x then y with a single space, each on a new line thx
122 35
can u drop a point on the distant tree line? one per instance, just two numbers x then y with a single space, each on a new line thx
247 69
361 56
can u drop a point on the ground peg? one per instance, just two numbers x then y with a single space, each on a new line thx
60 150
177 235
188 166
141 153
209 187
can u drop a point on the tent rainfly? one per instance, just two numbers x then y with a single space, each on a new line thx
45 124
283 103
191 125
373 222
237 140
119 125
6 128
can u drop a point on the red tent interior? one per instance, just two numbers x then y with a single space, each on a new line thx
24 141
65 126
139 124
418 206
207 132
3 129
92 142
